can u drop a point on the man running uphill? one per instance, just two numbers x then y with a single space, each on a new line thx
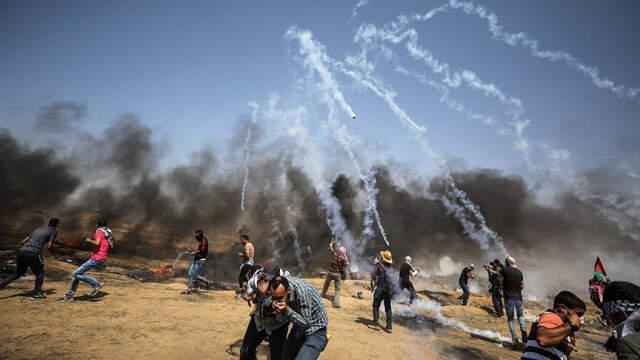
103 240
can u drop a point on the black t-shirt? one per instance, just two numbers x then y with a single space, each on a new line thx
512 283
464 277
405 271
203 249
38 238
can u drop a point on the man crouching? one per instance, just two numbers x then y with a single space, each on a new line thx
303 306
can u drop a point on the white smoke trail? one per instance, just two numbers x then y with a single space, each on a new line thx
289 213
296 129
435 309
359 4
519 39
247 151
484 236
314 57
523 40
368 35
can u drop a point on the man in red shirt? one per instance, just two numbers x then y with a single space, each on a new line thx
103 239
552 336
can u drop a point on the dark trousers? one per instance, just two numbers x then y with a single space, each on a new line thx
242 277
407 284
253 338
300 346
27 260
465 293
496 297
378 296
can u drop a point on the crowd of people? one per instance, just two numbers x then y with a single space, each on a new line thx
290 314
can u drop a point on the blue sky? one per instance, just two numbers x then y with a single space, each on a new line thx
188 70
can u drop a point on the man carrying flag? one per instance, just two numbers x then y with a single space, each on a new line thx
598 283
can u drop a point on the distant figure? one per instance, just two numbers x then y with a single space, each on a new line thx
552 335
622 311
598 283
385 288
103 240
337 271
264 321
304 308
30 256
247 255
199 261
513 285
495 272
406 272
463 282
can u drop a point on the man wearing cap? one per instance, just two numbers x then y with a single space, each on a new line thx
264 322
463 282
513 285
622 311
406 272
385 288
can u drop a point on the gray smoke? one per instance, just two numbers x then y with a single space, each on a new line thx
154 211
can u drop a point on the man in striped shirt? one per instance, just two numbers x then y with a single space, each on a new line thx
304 308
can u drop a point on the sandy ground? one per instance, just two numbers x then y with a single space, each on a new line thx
134 320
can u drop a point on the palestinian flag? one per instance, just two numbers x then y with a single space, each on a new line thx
598 269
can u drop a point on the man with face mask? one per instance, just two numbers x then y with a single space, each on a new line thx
552 335
199 260
622 310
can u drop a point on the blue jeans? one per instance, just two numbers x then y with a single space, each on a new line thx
514 306
300 346
194 272
78 275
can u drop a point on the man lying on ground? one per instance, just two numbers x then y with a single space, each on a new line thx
552 336
303 307
103 240
30 255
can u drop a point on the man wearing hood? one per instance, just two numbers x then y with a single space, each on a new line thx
337 269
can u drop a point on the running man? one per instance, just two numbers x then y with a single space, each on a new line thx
199 260
30 255
103 240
